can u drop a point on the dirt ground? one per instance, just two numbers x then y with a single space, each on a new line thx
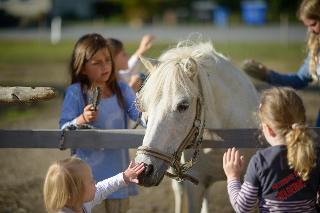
22 170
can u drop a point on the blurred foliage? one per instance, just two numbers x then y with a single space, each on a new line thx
140 12
146 10
288 7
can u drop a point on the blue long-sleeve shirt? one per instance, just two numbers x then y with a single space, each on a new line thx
297 80
104 162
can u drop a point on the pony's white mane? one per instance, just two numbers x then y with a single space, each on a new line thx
171 77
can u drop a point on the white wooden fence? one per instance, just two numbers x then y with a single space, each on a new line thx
124 138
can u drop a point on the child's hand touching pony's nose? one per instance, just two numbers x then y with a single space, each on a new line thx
132 172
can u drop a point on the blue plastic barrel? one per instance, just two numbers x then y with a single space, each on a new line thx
254 12
220 16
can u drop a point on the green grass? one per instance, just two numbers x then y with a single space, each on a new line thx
34 52
14 113
40 63
41 52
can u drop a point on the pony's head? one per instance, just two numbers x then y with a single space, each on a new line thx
169 100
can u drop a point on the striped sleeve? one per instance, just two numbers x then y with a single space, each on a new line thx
243 198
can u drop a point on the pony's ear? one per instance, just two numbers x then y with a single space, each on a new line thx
149 63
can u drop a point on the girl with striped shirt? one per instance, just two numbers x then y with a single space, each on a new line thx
286 176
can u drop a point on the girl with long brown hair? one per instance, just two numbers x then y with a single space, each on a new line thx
91 66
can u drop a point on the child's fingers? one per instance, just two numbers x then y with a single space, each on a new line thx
237 158
232 154
135 180
224 159
88 107
92 114
131 164
228 155
137 165
140 169
242 160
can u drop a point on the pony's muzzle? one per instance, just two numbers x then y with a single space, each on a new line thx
146 177
148 170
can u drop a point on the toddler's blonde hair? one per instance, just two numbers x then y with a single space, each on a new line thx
63 185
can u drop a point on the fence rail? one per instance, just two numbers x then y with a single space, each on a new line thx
124 138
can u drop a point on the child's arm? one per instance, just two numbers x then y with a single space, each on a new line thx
73 110
134 61
132 172
110 185
105 188
71 107
243 198
145 44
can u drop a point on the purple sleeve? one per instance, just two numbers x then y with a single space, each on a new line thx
242 198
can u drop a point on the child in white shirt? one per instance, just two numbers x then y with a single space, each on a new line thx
70 188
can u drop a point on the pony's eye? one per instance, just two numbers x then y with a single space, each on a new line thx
183 106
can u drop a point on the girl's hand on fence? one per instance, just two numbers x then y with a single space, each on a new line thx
233 164
132 172
88 115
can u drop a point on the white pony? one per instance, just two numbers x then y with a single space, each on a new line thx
190 85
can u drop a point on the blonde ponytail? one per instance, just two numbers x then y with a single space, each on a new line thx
284 111
301 153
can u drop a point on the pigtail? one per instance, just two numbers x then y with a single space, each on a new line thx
301 153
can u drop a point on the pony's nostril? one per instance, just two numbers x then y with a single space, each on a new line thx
148 169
